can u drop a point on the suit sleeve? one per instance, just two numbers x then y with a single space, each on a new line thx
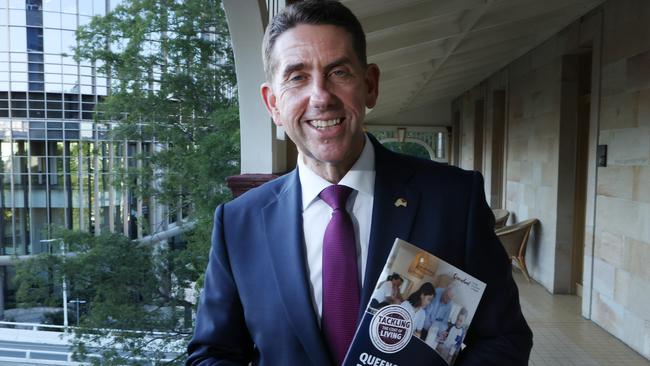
498 334
220 335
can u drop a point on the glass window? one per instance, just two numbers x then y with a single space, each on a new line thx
54 105
86 71
86 89
17 17
4 66
18 67
53 41
18 39
36 114
99 7
70 79
51 20
52 5
54 134
83 20
53 78
34 5
3 19
69 60
115 3
18 104
35 39
34 18
53 87
86 80
53 59
86 7
69 6
68 41
18 76
20 56
68 69
35 57
53 69
68 21
19 86
35 67
36 105
54 114
71 106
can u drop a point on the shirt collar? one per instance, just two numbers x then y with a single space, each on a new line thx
361 177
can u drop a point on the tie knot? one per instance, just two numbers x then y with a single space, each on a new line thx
336 196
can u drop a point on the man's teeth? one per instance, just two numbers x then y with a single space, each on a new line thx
319 123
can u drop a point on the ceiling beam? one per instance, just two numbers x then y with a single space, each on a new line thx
423 32
425 10
469 19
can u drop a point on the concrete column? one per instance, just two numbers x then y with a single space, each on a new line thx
263 149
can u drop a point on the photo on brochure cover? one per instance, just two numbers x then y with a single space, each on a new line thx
440 298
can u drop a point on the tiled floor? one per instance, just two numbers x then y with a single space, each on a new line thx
563 338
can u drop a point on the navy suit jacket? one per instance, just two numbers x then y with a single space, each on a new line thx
256 304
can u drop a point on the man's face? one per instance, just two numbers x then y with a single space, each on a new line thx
319 94
447 296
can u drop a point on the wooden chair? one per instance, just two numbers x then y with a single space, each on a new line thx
500 217
515 239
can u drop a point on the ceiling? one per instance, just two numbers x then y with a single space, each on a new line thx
431 51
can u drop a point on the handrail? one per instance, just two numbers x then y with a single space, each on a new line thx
33 326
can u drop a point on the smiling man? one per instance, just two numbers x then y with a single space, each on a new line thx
294 262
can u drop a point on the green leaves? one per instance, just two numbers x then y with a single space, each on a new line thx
172 84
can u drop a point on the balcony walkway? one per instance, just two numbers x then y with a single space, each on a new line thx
564 338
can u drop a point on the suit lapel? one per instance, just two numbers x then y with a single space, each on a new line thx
389 220
283 227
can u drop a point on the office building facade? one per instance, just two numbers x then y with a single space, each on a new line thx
57 161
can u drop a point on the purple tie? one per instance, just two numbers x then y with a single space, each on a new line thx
340 275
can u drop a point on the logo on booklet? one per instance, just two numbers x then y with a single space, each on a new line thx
391 329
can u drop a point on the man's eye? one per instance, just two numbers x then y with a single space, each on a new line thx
295 78
339 73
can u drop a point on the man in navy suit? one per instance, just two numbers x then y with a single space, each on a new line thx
262 300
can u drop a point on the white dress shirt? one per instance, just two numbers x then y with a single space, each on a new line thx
316 215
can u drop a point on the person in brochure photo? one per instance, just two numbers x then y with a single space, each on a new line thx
388 292
294 262
453 337
415 305
437 312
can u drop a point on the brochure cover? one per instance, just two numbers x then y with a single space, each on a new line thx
419 312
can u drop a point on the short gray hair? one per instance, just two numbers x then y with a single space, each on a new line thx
313 12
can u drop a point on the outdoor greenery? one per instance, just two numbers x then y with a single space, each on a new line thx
172 83
409 148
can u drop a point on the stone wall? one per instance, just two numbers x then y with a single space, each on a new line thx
621 256
616 274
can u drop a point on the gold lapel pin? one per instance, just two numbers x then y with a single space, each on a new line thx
400 202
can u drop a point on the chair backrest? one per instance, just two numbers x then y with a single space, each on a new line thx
515 237
500 217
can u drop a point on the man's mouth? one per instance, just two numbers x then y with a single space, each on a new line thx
325 123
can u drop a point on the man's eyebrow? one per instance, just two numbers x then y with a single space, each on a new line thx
291 68
338 62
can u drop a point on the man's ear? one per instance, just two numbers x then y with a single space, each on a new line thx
268 96
372 85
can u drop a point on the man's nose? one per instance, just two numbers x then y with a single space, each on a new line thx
321 96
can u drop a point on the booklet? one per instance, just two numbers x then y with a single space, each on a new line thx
419 313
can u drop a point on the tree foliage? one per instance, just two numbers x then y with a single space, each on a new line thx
171 81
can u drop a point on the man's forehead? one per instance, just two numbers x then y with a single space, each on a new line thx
306 44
